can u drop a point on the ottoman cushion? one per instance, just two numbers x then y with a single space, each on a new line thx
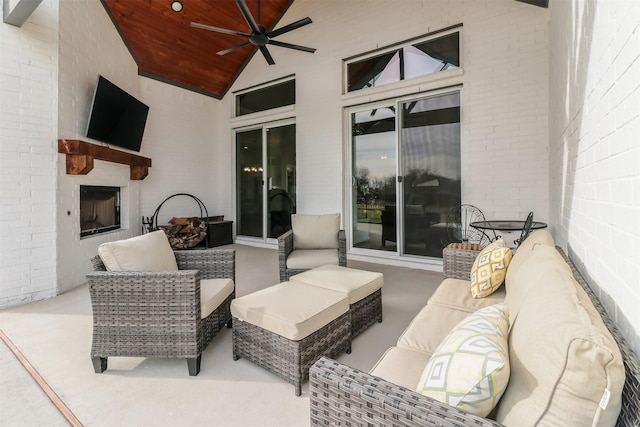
357 284
291 310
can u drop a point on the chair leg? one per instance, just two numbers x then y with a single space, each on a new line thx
99 364
194 365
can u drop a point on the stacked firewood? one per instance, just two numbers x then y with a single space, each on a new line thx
184 233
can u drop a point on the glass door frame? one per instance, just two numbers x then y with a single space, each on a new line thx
396 102
265 127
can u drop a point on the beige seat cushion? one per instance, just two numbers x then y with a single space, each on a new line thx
312 258
564 362
148 252
315 231
357 284
213 292
401 366
292 310
455 293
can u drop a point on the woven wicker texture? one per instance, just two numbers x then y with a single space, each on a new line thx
341 395
157 314
288 359
285 247
457 263
365 313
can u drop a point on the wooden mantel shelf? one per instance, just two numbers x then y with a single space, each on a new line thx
80 156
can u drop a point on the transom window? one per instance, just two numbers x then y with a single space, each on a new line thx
428 55
266 97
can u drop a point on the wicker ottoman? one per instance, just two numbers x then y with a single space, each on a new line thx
286 328
363 288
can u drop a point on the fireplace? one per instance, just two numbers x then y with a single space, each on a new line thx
99 209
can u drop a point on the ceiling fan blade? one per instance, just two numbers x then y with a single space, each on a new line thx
219 30
292 46
232 48
290 27
267 55
247 16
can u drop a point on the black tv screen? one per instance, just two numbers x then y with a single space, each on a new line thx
116 117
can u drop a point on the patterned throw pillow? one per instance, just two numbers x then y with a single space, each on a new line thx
489 269
470 368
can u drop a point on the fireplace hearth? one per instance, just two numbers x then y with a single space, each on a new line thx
99 209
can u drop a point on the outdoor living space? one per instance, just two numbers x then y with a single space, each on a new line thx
528 106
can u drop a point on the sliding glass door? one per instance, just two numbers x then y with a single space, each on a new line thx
405 173
265 180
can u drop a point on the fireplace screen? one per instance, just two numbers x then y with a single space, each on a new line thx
99 209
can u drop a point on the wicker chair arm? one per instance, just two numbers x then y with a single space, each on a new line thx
212 263
127 280
285 247
145 293
342 248
340 394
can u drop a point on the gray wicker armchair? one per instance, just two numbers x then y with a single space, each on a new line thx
285 247
158 313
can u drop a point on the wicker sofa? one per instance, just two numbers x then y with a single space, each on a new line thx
559 374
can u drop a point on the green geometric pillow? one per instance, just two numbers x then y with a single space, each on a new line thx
490 268
470 368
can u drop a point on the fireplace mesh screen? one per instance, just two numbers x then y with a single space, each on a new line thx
99 209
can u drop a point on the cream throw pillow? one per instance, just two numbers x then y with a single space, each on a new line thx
470 368
315 231
149 252
490 269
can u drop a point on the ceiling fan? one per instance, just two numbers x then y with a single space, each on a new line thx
259 35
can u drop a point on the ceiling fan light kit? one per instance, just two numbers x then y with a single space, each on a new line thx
259 36
176 6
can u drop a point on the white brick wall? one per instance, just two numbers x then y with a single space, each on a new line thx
595 151
504 94
28 83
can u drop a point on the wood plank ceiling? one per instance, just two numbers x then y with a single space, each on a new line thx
167 48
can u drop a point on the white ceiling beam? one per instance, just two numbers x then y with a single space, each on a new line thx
16 12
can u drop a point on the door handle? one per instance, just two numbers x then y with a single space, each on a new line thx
399 178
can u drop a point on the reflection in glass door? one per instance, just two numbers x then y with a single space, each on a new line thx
281 173
405 174
430 169
374 178
249 183
267 212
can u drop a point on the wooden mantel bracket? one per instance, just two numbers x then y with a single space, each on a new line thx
80 156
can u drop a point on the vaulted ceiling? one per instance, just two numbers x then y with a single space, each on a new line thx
168 48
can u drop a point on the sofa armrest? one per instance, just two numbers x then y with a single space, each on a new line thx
340 395
212 263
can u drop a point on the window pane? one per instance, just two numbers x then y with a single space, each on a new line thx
420 59
430 146
281 173
277 95
374 179
249 183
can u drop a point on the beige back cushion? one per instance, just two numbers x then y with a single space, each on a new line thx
149 252
539 237
566 368
315 231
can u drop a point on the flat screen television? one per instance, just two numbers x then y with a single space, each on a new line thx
116 117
